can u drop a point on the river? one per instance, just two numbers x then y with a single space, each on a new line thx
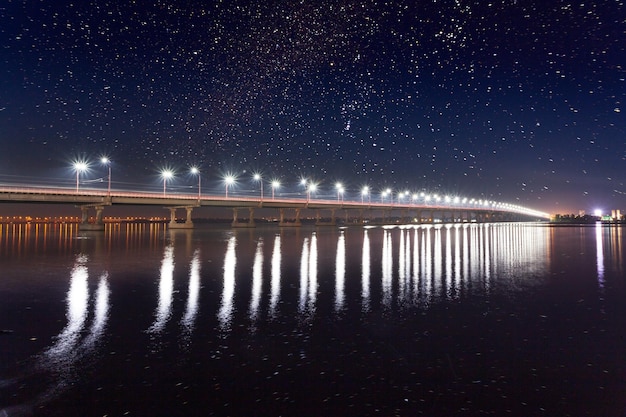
434 320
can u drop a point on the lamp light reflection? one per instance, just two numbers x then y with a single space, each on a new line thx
275 283
166 290
340 272
225 313
101 311
365 272
257 281
387 268
193 293
308 278
77 304
599 255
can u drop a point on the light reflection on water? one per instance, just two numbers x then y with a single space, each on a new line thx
340 272
166 289
257 281
225 314
193 295
308 278
275 289
365 272
275 276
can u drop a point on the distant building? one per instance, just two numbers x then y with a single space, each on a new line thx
581 213
616 214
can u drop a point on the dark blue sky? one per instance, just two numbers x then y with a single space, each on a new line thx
516 101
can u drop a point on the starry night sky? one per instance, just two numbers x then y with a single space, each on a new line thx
516 101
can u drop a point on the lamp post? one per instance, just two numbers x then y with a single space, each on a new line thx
106 161
275 185
365 191
228 180
167 175
339 188
310 188
303 182
257 177
196 171
79 166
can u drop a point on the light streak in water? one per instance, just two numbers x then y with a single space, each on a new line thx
308 278
365 272
340 272
257 281
166 291
599 255
275 282
77 310
387 268
193 294
225 313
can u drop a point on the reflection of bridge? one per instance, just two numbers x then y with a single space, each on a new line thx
358 212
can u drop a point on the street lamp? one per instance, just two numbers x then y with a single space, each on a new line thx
196 171
275 185
257 177
79 167
167 175
303 182
106 161
228 181
340 190
365 191
311 188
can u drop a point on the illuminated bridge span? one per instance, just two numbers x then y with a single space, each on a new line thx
289 209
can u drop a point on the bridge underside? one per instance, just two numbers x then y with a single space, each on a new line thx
292 217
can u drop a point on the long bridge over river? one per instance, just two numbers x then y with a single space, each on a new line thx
288 210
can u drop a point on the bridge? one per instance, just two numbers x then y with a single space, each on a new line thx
289 210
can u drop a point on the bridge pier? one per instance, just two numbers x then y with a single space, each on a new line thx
284 223
173 224
97 225
249 224
319 222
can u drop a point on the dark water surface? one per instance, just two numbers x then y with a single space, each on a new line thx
446 320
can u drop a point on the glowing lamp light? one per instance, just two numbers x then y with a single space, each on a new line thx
167 175
79 167
228 181
275 185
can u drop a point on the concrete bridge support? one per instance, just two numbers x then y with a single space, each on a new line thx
361 217
97 225
286 223
319 222
241 224
173 224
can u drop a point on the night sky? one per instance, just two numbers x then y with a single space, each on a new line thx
516 101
